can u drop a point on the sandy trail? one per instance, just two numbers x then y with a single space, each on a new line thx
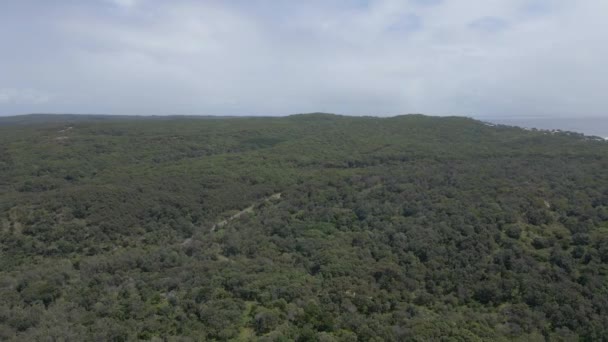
247 210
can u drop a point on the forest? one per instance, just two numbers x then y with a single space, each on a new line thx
310 227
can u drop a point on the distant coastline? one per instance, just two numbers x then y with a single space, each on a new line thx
596 126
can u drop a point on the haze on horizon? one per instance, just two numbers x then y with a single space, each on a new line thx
483 58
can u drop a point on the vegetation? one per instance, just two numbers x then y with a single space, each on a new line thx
332 229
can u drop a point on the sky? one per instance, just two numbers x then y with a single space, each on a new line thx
481 58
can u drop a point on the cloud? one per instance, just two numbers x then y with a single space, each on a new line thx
408 23
125 3
261 57
489 24
23 96
427 2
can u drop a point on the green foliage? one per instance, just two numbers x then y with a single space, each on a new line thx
332 229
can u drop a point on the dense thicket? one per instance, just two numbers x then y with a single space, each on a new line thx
404 228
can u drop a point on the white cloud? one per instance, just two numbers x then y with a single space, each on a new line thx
125 3
480 57
23 96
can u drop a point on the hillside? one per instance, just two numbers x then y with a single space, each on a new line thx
311 227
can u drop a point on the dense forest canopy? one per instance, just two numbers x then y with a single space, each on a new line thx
311 227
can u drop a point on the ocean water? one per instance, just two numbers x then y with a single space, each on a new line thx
596 126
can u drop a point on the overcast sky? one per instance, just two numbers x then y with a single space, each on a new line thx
261 57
